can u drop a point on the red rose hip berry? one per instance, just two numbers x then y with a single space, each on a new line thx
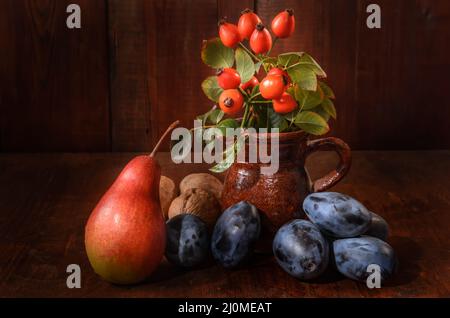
228 78
272 87
279 71
229 34
231 101
285 104
247 23
283 25
250 84
261 40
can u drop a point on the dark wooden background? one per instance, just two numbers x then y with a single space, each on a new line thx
135 66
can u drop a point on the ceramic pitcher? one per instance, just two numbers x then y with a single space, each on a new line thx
279 196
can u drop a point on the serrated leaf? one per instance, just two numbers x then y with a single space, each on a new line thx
307 60
217 55
244 65
288 59
211 88
327 90
311 123
304 77
308 99
328 106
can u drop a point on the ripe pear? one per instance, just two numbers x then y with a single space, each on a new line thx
125 236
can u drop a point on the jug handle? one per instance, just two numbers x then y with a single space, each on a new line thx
345 160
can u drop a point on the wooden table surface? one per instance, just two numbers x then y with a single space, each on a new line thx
46 199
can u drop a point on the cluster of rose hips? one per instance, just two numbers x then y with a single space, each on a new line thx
274 85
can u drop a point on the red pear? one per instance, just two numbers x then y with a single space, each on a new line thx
125 235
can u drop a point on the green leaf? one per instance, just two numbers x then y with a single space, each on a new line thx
308 61
319 110
284 125
308 99
311 123
291 116
244 65
291 90
217 55
204 116
215 116
227 123
328 106
227 162
230 156
269 62
261 111
275 119
257 67
288 59
211 88
255 91
327 90
303 76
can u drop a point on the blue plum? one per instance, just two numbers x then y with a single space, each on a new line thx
301 249
353 256
378 227
337 214
235 234
187 240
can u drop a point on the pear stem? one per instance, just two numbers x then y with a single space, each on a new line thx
160 141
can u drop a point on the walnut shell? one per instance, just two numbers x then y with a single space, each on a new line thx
203 181
167 192
198 202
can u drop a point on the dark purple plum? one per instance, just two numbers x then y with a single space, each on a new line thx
187 240
378 227
337 214
301 249
235 234
353 255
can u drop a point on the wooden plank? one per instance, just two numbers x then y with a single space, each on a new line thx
326 30
45 201
130 100
401 77
54 80
175 30
382 78
232 9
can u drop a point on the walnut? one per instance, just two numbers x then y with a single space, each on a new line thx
203 181
198 202
167 192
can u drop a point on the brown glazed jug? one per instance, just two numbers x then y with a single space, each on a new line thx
279 196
